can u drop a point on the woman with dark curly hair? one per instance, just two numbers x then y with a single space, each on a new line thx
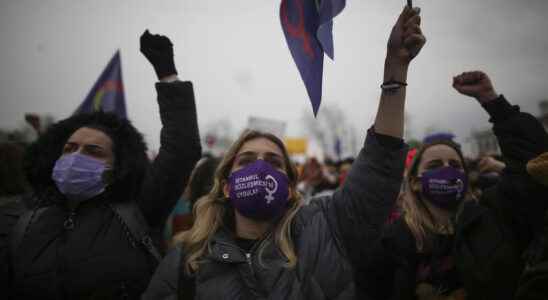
92 184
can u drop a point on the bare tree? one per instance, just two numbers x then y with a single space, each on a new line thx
332 131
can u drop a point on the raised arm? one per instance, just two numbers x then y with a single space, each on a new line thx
361 206
405 42
179 139
521 138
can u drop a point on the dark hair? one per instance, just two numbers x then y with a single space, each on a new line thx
201 180
346 161
329 162
130 159
12 177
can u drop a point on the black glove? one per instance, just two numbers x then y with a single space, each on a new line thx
158 49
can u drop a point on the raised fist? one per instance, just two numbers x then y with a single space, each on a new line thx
158 49
475 84
406 39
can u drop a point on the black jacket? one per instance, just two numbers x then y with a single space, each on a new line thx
97 258
325 233
490 236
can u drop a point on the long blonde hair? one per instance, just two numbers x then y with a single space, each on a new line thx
416 215
212 212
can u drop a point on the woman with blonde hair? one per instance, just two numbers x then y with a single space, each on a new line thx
448 245
253 238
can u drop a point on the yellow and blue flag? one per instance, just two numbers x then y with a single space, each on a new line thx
107 94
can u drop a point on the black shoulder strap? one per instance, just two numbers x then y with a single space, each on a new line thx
21 226
186 287
132 217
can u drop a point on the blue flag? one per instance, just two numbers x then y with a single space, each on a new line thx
328 10
107 94
308 29
338 147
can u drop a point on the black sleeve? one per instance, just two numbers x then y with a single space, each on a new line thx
385 271
180 149
521 137
361 206
164 282
9 214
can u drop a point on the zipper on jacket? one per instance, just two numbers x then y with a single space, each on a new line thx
69 221
124 293
247 255
249 262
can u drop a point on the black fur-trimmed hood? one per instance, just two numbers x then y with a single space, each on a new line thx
130 159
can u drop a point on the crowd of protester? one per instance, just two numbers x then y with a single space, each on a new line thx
85 214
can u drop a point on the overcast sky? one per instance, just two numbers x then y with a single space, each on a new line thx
236 55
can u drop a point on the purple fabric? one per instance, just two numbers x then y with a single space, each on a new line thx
439 136
259 191
79 177
329 9
308 26
107 94
444 187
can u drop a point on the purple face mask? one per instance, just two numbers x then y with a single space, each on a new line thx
79 177
444 187
259 191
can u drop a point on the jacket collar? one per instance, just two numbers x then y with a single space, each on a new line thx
223 247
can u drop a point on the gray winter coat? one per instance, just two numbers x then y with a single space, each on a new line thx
327 235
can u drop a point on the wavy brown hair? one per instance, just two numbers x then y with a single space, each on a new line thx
213 211
416 214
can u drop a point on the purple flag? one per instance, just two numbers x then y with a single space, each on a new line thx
328 10
308 25
338 147
107 94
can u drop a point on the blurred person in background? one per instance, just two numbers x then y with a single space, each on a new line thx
199 184
344 167
485 172
316 180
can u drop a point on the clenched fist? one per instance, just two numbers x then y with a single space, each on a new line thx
475 84
406 39
158 49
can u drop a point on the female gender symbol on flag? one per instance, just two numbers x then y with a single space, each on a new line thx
308 29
